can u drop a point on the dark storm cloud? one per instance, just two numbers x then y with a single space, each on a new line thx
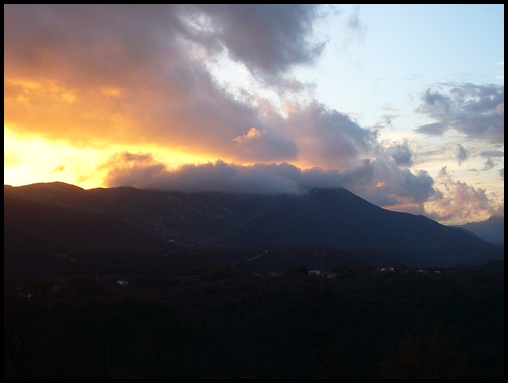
474 110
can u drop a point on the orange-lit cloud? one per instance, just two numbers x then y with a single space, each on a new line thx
109 95
251 134
459 201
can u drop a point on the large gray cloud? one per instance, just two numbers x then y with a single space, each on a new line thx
268 38
380 182
477 111
153 57
395 186
143 171
402 154
329 138
137 74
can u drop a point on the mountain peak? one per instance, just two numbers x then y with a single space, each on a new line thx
323 217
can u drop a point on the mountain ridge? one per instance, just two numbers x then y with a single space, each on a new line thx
125 218
490 230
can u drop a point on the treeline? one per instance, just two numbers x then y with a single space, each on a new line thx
227 323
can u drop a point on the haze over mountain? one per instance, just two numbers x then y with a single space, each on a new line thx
491 230
56 216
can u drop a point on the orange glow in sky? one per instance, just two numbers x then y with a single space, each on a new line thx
30 160
198 97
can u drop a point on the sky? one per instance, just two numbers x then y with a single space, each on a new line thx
402 105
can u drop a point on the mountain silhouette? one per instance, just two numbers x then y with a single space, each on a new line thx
49 217
490 230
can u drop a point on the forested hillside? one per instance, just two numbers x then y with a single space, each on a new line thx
209 322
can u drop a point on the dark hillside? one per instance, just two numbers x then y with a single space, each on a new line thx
57 217
212 322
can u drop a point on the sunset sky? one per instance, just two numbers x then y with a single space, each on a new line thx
401 104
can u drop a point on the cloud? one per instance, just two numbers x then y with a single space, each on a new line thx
136 170
501 77
327 138
59 169
262 145
459 201
491 157
492 153
132 74
354 25
142 171
435 105
268 38
386 120
402 154
138 76
433 129
380 182
489 164
462 153
250 135
477 111
395 186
